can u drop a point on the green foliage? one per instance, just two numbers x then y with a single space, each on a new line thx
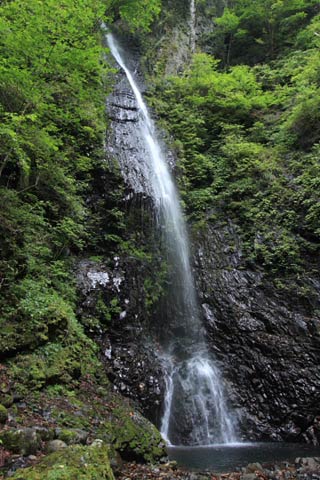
153 286
138 14
52 125
253 31
248 137
69 355
53 85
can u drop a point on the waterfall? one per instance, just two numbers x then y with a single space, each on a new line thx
192 25
195 412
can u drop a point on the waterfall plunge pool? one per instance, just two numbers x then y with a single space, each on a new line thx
230 457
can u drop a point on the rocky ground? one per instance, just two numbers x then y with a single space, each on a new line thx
68 461
302 469
73 433
90 434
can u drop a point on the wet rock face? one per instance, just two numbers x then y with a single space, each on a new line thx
267 343
123 329
127 338
136 372
124 142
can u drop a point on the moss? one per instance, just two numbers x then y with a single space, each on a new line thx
68 436
106 415
22 441
42 314
72 463
91 409
56 362
72 436
129 433
135 437
6 399
3 414
10 439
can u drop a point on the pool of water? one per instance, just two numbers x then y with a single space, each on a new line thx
224 458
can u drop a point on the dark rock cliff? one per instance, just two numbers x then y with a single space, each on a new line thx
267 342
126 288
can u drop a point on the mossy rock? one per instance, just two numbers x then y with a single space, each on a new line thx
135 438
54 363
6 399
72 463
116 422
72 436
25 441
3 414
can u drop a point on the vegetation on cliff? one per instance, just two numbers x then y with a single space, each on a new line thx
54 78
245 121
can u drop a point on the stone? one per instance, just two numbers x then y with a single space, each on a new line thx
14 464
172 464
253 467
72 436
55 446
24 441
32 458
309 463
130 361
3 414
248 476
97 443
264 330
70 463
193 476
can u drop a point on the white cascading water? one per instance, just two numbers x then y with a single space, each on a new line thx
195 412
192 26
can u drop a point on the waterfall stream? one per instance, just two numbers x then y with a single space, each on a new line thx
192 26
195 411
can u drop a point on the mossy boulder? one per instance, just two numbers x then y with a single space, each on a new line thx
72 463
72 436
3 414
55 446
135 438
25 441
98 412
6 400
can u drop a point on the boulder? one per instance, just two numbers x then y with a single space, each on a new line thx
24 441
72 463
3 414
72 435
55 446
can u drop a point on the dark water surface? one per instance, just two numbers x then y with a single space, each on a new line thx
226 458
